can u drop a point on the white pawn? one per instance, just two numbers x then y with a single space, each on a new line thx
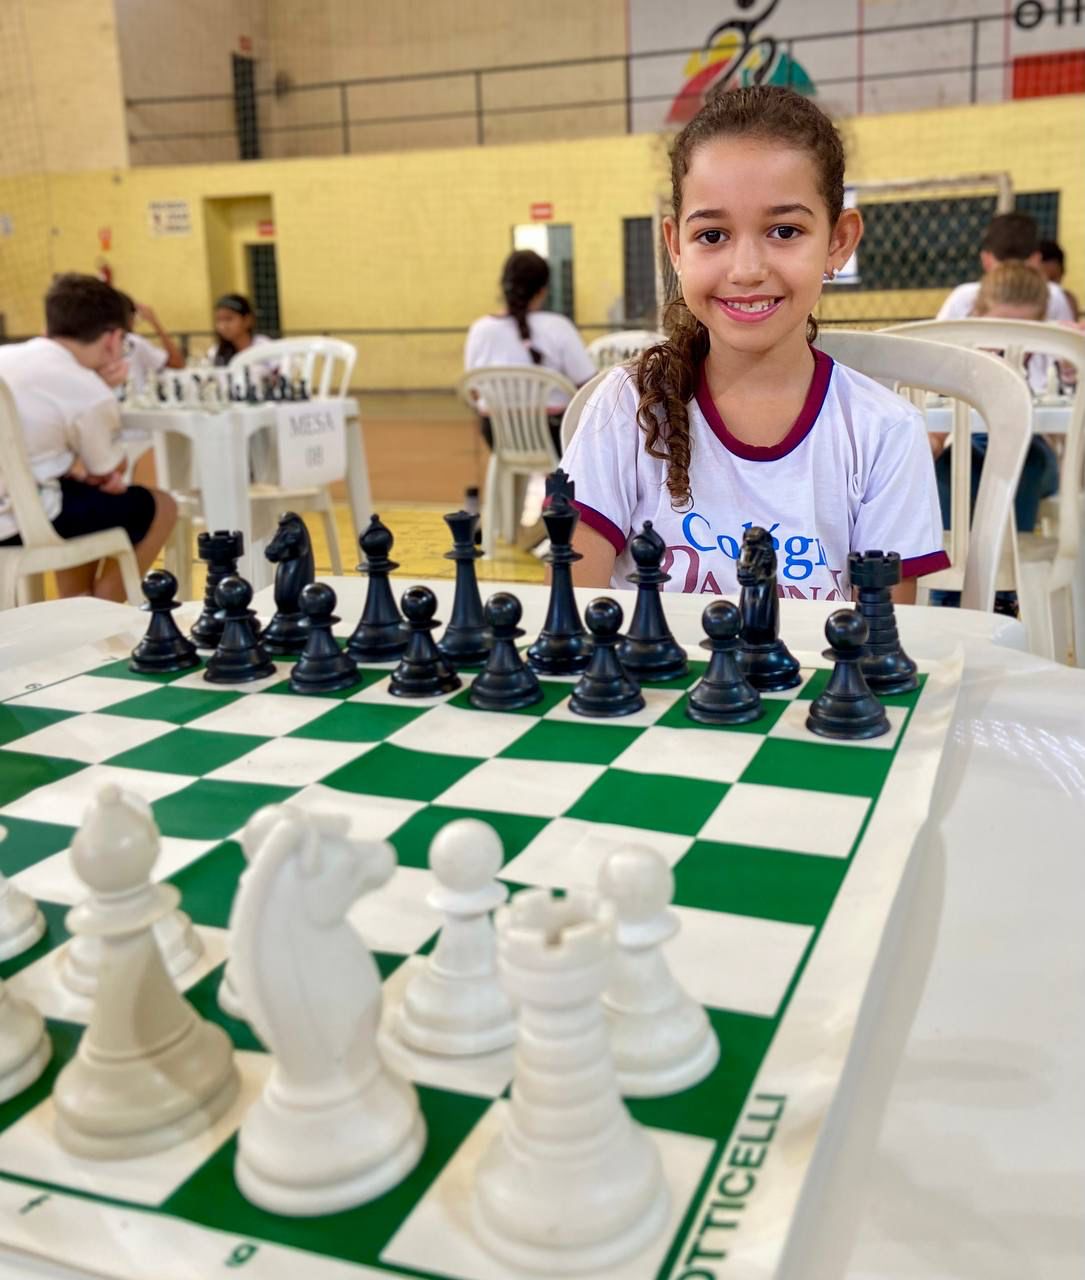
333 1127
572 1183
454 1003
660 1036
21 923
252 837
81 959
25 1047
148 1073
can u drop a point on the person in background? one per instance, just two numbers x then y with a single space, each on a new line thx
1012 291
235 328
62 387
526 334
1010 237
1053 265
145 360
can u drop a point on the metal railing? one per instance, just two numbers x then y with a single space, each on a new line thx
476 109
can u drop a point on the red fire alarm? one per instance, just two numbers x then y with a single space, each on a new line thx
105 238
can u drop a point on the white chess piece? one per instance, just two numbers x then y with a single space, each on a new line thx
81 959
454 1003
21 923
333 1127
148 1072
660 1036
572 1183
25 1047
257 827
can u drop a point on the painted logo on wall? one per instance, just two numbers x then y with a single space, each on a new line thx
737 53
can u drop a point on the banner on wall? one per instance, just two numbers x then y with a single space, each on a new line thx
312 442
169 217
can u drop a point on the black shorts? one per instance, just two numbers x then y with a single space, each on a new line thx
86 509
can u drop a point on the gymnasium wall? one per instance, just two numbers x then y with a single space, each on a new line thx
415 240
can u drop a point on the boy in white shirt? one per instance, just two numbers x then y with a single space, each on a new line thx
62 389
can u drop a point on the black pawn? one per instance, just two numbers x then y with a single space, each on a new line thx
381 634
163 648
648 651
562 647
887 668
291 552
240 656
323 666
467 638
847 709
505 683
220 551
605 689
422 671
723 695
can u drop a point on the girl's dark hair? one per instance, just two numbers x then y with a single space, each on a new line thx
240 305
667 373
522 276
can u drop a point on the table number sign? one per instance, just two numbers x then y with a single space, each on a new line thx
312 442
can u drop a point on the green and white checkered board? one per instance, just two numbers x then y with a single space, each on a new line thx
787 851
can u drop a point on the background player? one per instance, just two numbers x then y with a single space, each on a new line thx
62 389
235 328
736 420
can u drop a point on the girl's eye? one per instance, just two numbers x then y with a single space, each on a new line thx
786 233
713 236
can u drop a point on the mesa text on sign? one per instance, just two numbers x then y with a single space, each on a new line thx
312 442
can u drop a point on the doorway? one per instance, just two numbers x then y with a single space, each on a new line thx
554 242
241 257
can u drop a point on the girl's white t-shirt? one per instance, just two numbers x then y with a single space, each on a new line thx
854 473
496 340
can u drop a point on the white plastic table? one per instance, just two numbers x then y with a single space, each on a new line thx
220 456
979 1170
1047 419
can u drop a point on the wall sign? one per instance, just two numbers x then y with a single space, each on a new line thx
169 217
542 211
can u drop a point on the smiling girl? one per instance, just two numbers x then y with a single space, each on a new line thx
736 420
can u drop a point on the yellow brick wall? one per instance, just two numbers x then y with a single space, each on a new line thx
417 239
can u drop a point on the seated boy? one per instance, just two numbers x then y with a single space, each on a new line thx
62 389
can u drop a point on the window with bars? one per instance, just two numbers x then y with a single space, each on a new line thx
639 273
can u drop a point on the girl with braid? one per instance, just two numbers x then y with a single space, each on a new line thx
525 334
736 420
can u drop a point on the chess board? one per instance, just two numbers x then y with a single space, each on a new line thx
787 851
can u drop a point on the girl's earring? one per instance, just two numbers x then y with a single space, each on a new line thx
830 274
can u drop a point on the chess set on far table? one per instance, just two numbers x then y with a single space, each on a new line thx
445 959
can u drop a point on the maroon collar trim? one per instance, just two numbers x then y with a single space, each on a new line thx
800 429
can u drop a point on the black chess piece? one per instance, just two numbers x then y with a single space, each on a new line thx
467 638
886 666
381 633
847 709
563 646
723 695
323 666
422 671
605 689
163 647
251 394
220 551
765 660
303 389
240 656
505 683
648 651
291 551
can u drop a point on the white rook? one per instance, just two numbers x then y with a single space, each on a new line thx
572 1183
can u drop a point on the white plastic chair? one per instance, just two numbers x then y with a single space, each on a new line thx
325 364
1051 578
516 399
622 345
571 418
1000 397
43 549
